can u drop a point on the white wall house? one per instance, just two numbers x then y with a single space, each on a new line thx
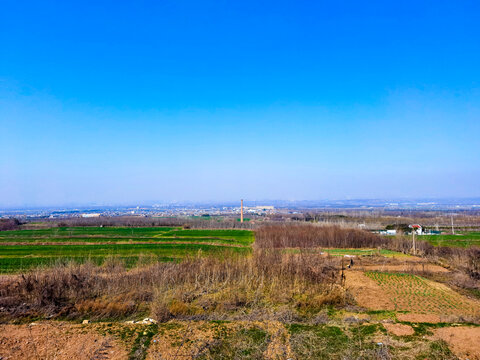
417 228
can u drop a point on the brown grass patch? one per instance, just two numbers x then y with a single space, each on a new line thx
399 329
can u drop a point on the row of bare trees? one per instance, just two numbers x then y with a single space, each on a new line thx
310 235
465 260
9 224
141 221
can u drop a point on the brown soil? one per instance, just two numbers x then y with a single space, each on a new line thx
399 329
463 341
57 340
423 318
366 292
407 267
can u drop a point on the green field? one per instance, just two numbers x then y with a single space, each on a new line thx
24 249
460 240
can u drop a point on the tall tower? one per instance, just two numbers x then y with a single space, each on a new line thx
241 210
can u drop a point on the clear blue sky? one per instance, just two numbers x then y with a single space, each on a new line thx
128 102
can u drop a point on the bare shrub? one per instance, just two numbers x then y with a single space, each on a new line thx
72 290
266 279
9 224
195 287
309 235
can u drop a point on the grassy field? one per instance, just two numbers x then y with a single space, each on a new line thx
23 249
460 240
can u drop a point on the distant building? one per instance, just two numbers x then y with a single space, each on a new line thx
265 207
90 215
417 228
387 232
261 209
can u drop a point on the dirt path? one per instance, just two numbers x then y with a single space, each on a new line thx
57 340
407 267
420 318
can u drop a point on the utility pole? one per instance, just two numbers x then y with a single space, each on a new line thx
453 230
413 240
241 210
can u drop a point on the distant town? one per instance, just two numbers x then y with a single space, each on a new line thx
228 209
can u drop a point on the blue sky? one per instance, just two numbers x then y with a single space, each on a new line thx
131 102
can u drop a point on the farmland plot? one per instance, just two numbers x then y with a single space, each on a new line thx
21 250
459 240
415 294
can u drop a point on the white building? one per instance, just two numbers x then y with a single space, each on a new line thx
417 228
90 215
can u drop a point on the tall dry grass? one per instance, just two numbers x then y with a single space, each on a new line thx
198 287
267 280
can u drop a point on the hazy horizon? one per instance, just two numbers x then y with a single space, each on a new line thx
113 103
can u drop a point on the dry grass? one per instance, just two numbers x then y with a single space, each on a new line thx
202 288
197 287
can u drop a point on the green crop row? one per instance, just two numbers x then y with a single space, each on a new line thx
120 234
